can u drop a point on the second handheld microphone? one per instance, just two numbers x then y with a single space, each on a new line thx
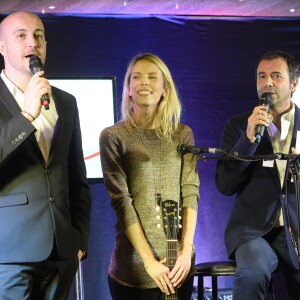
265 99
35 65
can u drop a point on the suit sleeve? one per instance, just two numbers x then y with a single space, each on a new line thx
14 132
231 175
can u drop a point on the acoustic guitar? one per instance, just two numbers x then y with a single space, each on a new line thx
170 214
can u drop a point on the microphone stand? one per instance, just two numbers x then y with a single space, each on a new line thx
293 168
236 156
79 288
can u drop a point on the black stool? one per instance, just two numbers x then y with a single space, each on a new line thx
215 269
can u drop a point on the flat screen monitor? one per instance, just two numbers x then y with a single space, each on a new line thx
96 100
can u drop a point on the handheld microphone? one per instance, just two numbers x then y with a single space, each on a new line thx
183 149
265 100
35 65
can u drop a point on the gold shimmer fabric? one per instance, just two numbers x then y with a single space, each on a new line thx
137 165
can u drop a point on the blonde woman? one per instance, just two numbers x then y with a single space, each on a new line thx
141 170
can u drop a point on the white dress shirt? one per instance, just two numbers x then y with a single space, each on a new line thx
281 142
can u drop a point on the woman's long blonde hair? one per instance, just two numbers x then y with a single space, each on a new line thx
169 106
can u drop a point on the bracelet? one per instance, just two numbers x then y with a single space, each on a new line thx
29 114
183 241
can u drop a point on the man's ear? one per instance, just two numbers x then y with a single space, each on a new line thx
294 85
2 48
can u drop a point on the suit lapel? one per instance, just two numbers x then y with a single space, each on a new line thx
56 138
265 148
7 99
296 126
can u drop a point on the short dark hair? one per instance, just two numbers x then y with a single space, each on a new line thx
292 63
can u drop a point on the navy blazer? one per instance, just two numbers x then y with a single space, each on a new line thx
39 201
259 195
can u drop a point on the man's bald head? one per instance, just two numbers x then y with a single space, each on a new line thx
7 21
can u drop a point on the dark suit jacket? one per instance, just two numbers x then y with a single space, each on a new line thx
258 192
41 202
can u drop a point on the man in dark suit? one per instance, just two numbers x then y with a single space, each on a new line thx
263 227
44 194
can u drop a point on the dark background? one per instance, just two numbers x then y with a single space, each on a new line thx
213 62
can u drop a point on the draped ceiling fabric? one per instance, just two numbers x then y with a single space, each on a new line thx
213 62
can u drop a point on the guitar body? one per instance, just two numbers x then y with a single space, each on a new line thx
170 212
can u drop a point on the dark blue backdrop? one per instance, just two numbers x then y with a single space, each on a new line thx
213 63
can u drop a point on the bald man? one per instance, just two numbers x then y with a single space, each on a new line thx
44 194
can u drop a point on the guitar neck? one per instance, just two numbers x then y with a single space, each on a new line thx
172 253
171 256
172 296
171 225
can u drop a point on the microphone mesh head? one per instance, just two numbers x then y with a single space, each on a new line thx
265 99
35 64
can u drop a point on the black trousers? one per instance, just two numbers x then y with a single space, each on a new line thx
122 292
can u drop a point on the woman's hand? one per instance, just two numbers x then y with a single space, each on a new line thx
160 274
182 267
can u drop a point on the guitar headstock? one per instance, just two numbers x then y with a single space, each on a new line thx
170 213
